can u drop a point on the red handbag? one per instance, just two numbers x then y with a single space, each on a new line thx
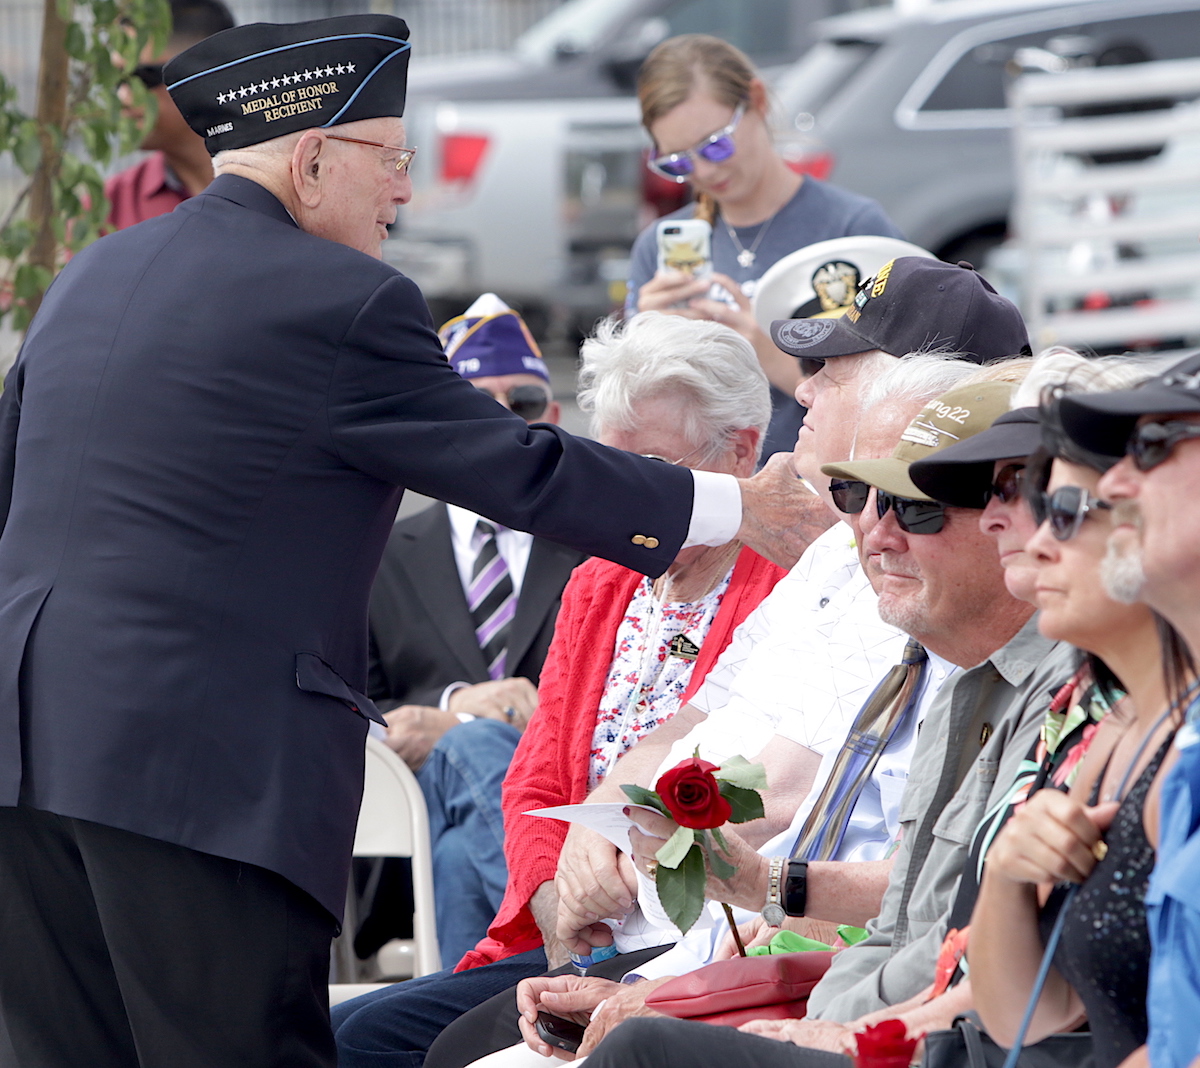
731 992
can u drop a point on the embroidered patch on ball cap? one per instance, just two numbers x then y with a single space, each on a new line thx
804 333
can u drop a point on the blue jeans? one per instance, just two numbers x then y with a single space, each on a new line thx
392 1028
461 780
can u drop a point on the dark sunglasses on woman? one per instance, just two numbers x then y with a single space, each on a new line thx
529 402
1066 509
913 517
1152 443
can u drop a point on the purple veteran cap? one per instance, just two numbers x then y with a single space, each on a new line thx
257 82
489 339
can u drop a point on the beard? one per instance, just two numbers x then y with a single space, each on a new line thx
1121 570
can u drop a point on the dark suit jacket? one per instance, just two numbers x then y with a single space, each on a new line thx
422 635
202 447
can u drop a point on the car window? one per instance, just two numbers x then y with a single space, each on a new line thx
757 27
965 84
574 27
824 69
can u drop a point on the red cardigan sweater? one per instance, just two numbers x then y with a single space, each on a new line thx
550 766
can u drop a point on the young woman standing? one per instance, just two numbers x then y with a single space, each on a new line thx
706 110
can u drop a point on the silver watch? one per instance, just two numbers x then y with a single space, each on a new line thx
772 911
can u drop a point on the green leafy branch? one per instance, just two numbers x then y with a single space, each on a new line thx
87 49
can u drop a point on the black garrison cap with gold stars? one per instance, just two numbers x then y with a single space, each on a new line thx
257 82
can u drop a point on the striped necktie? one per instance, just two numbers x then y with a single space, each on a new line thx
890 707
491 599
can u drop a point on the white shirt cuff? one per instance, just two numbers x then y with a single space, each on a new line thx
716 509
444 700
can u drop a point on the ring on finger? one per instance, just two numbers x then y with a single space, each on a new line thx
652 868
509 713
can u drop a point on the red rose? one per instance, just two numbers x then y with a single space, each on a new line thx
692 795
885 1045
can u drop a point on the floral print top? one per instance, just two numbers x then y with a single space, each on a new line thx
646 680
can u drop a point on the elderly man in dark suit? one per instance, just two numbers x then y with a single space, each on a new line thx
203 444
456 675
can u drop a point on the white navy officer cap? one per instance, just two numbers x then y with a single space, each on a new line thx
257 82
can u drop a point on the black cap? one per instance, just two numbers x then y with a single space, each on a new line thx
914 304
961 474
1104 422
261 81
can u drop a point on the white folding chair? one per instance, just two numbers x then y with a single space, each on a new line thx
392 822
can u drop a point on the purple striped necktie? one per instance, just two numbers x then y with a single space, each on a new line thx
491 599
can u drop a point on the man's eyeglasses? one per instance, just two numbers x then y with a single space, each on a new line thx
404 156
913 517
1066 509
849 495
675 463
1152 443
149 74
1008 484
529 402
717 148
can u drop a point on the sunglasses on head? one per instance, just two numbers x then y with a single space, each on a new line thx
1065 509
1152 443
529 402
717 148
149 74
913 517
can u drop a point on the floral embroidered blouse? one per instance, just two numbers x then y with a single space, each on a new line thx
652 662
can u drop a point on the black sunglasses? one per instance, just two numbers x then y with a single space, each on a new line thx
848 495
1009 483
913 517
149 74
1065 509
529 402
1152 443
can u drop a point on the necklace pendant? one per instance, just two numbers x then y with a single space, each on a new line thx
746 258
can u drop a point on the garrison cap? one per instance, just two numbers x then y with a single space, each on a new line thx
490 339
260 81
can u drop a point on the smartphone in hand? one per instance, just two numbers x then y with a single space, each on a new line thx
563 1034
685 245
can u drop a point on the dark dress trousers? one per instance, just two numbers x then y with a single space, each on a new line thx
202 448
422 634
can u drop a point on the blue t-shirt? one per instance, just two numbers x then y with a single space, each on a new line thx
1173 910
817 212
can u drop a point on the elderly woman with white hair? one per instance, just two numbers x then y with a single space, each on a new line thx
627 652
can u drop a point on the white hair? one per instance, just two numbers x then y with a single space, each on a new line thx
1061 366
712 370
921 376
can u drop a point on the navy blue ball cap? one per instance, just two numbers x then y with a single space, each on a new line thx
914 304
1104 422
257 82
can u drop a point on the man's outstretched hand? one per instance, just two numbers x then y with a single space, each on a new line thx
781 516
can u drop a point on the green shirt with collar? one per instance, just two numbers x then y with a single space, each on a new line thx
972 742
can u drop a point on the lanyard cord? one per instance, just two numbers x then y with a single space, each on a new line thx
1043 971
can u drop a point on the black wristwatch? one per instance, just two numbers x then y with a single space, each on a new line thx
795 888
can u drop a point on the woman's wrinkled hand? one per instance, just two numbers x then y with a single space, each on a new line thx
1052 838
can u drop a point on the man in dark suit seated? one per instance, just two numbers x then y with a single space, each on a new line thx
462 613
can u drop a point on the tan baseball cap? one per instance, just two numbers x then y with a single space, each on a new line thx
953 417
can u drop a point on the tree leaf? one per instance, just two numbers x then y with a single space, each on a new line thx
681 890
27 150
77 45
676 847
639 795
746 804
738 771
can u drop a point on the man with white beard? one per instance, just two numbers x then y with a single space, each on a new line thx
1153 556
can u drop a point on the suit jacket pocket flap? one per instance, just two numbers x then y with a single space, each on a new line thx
315 676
